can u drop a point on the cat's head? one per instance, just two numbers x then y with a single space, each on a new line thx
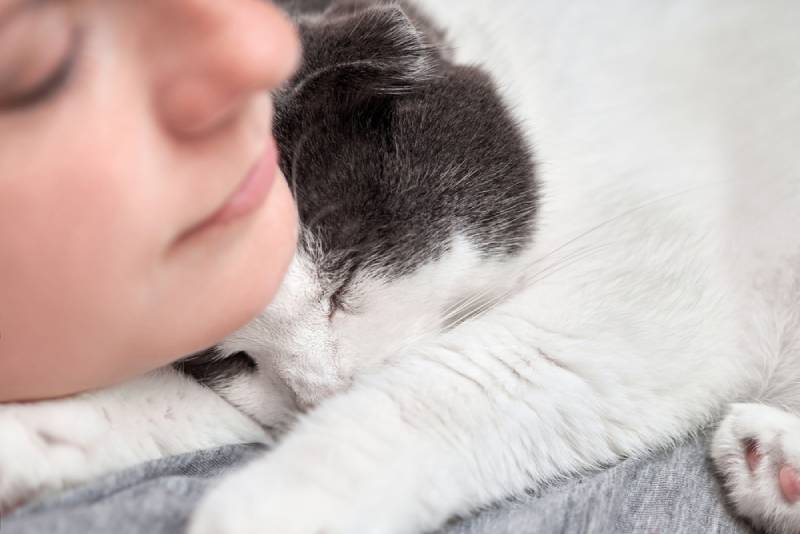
415 191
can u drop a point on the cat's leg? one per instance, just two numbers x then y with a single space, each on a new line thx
50 445
756 449
442 433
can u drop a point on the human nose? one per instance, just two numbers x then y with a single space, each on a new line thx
215 56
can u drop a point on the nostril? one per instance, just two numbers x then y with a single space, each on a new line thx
192 108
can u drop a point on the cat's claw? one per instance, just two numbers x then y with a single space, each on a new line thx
757 452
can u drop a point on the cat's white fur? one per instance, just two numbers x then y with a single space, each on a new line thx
300 342
661 286
51 445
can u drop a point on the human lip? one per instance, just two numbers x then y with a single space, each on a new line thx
249 194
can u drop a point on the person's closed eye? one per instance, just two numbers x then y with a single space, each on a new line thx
39 47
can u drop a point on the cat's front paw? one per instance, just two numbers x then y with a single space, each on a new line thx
45 447
261 500
757 452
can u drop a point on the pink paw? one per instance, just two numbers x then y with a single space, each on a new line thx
788 477
756 449
789 482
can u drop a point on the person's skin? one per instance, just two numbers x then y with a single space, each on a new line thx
162 113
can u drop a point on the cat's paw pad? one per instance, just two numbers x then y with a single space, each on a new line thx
756 449
44 447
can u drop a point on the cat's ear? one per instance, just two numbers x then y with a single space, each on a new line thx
366 50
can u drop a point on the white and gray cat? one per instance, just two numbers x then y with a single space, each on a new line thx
459 325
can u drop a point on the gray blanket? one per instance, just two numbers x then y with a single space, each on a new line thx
672 492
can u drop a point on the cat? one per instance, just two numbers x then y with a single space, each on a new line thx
536 239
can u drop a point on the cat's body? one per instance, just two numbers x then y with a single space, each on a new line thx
625 290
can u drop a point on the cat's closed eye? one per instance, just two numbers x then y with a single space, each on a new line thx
342 301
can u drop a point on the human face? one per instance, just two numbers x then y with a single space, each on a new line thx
126 128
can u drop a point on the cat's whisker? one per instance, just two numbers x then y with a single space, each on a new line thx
630 212
528 278
321 214
298 150
452 316
458 307
552 270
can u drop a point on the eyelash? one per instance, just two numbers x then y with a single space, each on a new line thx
56 81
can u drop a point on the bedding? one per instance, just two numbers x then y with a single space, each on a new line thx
671 492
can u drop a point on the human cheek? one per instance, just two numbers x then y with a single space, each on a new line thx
90 213
226 277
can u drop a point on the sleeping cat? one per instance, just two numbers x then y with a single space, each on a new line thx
460 324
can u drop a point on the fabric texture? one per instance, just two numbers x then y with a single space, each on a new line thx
671 492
